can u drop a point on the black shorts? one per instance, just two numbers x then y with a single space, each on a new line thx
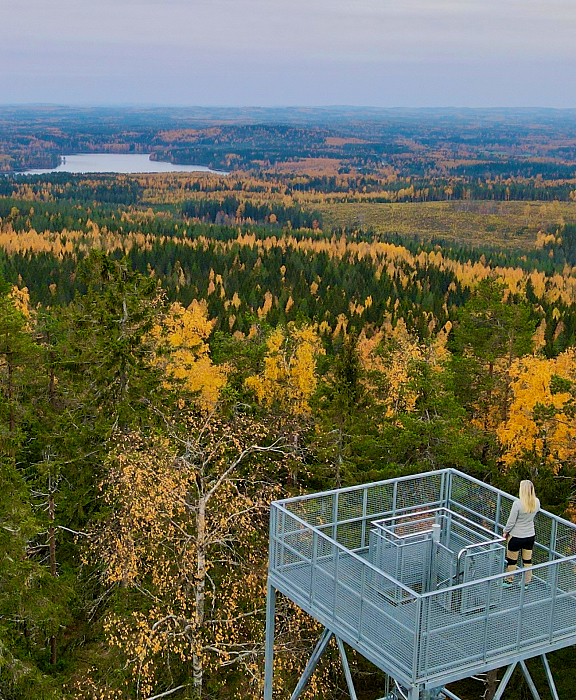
515 544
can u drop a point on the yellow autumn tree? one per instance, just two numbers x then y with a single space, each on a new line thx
541 425
21 300
390 358
289 376
184 355
184 548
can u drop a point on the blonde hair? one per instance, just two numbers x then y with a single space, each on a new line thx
527 496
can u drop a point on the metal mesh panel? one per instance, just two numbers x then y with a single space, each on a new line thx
543 531
563 584
350 504
299 544
463 633
420 491
314 511
445 567
534 623
324 577
502 633
565 544
379 499
505 508
481 501
389 628
404 560
448 640
348 591
350 535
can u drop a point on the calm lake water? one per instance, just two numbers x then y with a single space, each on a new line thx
118 163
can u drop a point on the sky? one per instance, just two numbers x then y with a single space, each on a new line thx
406 53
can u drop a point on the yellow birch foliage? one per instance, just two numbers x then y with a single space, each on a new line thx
541 420
184 355
405 349
296 636
389 358
289 376
186 540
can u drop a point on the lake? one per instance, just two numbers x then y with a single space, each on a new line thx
118 163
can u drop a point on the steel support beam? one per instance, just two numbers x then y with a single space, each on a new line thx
325 637
269 648
450 694
529 680
549 677
346 666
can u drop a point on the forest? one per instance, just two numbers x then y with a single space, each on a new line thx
177 351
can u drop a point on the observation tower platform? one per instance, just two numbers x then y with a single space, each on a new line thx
409 572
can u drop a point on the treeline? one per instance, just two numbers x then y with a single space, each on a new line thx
141 448
435 189
102 189
231 210
275 274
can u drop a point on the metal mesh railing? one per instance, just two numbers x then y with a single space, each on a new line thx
321 559
344 591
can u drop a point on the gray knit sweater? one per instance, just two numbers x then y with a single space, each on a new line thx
521 524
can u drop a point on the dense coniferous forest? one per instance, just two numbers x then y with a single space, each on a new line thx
178 350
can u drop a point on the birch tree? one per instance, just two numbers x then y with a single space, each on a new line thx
183 548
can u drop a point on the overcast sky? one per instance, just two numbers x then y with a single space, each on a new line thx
401 53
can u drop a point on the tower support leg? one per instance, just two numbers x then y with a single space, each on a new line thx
314 659
346 666
549 677
269 648
529 680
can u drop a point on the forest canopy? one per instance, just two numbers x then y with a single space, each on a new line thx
177 351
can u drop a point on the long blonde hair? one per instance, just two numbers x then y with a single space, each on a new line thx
527 496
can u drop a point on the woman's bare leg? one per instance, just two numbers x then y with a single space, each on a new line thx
527 564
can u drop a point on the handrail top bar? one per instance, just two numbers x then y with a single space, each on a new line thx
360 487
448 470
453 513
497 540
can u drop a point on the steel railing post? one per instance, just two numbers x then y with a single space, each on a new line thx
364 517
553 573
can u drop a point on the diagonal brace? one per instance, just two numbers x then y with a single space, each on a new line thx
320 648
549 677
529 680
504 682
346 666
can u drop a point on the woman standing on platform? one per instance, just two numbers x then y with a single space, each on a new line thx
519 531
